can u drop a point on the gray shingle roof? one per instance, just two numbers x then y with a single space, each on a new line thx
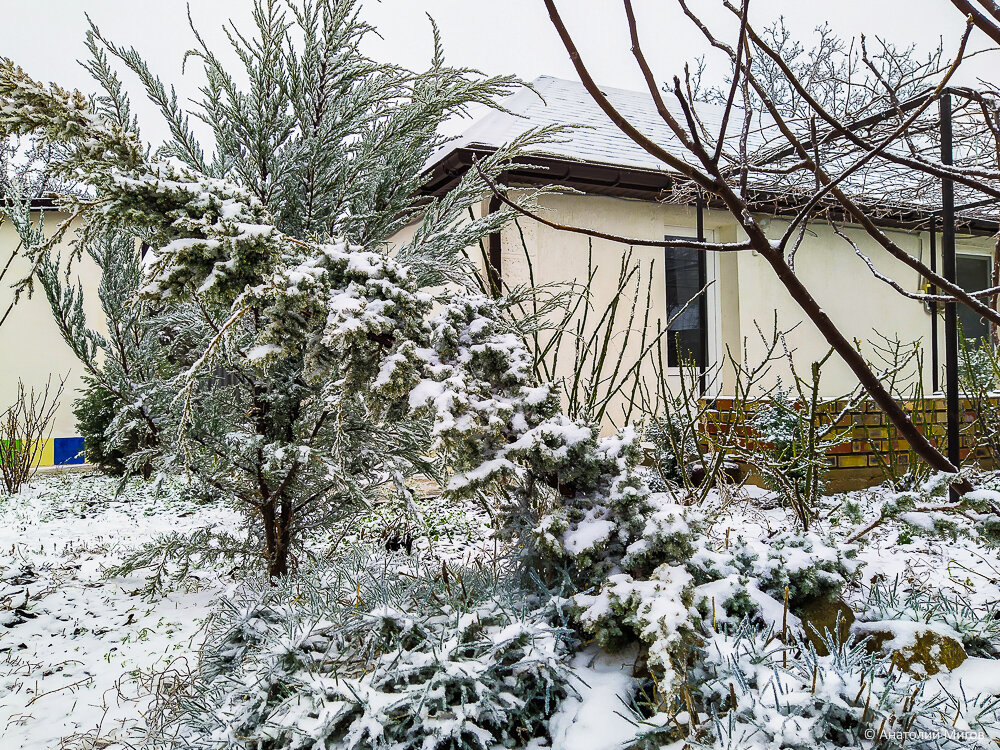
562 102
600 142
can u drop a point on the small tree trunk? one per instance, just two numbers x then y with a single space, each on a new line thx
277 565
275 516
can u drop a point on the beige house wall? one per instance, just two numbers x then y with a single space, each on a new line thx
860 304
31 348
745 292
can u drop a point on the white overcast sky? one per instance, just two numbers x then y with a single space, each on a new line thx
498 36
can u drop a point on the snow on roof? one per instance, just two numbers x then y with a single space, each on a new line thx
598 141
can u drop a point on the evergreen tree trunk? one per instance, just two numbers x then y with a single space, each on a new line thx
276 535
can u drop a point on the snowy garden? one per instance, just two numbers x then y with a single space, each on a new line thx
339 496
399 630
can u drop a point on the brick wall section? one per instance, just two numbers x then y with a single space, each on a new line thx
870 439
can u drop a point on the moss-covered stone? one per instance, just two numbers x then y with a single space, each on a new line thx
823 614
917 648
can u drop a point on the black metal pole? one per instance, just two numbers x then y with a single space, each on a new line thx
702 301
494 259
948 271
935 364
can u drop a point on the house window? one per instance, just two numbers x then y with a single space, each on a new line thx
685 277
972 273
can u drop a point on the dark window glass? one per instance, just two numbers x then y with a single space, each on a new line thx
972 272
685 276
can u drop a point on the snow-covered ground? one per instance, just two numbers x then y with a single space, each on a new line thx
74 647
77 650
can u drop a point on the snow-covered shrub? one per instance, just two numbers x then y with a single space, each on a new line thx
351 655
654 610
750 691
575 502
749 577
976 623
674 582
927 511
804 563
659 579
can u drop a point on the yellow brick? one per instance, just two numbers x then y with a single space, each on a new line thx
850 462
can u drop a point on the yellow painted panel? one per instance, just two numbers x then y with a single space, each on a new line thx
46 456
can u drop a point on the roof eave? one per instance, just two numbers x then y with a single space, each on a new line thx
38 204
642 184
542 169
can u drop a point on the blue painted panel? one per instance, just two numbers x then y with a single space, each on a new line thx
67 451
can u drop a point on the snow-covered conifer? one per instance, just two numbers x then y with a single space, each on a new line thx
268 282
